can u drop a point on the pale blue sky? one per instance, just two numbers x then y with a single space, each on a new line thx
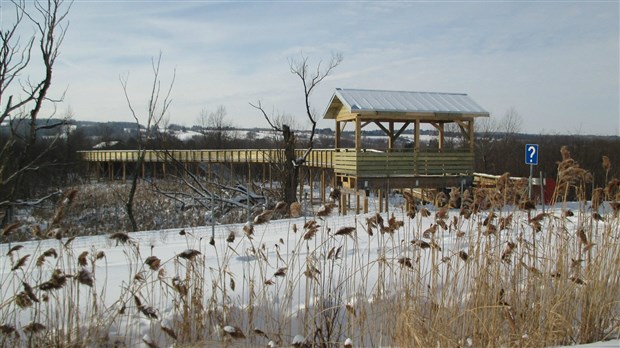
555 62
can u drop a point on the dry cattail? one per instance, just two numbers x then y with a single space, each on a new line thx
260 332
82 260
299 341
430 231
248 228
189 254
345 231
442 224
488 219
596 216
568 213
350 309
7 329
153 262
425 213
505 222
527 205
348 343
375 220
463 255
606 163
231 237
34 327
263 217
455 198
420 243
281 272
22 300
334 194
281 207
148 311
597 198
233 332
269 282
149 341
120 237
14 249
442 213
565 153
28 290
8 229
510 246
169 332
100 255
179 286
441 199
85 277
538 217
325 209
577 280
69 241
20 263
405 261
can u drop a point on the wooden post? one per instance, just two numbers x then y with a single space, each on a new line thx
416 140
124 170
380 199
365 204
391 136
311 183
323 187
358 134
357 202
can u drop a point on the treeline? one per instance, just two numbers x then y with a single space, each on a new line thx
495 153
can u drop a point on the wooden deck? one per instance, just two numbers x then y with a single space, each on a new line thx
351 169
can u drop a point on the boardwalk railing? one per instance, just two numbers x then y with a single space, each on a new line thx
321 158
383 164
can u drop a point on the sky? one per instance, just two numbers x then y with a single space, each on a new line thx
556 63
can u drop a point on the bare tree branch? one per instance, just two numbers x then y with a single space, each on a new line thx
156 111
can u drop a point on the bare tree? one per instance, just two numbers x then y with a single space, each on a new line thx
214 126
310 79
157 109
21 99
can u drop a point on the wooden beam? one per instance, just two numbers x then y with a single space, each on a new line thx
387 132
401 130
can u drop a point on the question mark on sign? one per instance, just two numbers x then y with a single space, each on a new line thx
532 151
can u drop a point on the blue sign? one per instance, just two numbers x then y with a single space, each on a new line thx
531 154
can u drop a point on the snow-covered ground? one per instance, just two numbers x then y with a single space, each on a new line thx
280 257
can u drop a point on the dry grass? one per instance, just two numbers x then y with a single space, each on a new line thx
484 270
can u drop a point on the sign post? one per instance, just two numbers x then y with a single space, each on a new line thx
531 158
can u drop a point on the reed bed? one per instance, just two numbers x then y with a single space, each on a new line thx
481 268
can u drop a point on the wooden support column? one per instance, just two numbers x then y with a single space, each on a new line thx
391 136
323 186
338 134
311 183
470 130
417 136
440 128
124 171
358 134
380 199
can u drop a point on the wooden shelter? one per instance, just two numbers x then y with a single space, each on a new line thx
398 113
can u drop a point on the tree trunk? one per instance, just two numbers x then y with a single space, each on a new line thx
291 171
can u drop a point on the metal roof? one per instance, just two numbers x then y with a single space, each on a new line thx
361 100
